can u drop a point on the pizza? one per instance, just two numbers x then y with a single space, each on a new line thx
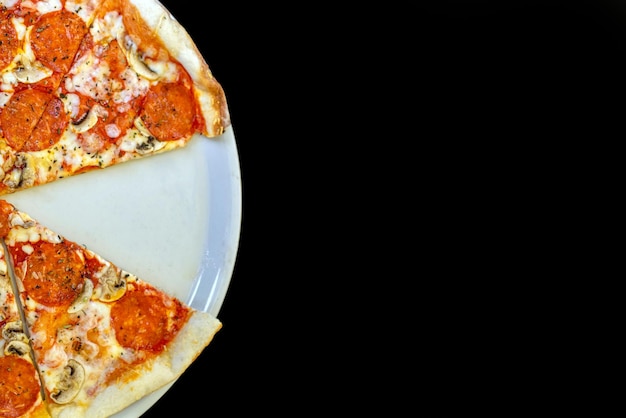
92 338
88 84
85 85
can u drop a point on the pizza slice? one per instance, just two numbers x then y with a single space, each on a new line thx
88 84
101 337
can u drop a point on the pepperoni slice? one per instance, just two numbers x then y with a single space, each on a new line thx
19 387
49 128
169 111
55 38
8 41
143 321
54 274
21 114
33 120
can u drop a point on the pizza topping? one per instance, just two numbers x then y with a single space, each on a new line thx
19 386
53 274
69 383
55 38
18 171
27 232
142 142
83 298
88 120
84 8
30 73
135 61
16 339
13 331
33 120
15 178
15 219
139 323
169 111
112 284
21 114
102 75
8 3
49 127
16 348
46 6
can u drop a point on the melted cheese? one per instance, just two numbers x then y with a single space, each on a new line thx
83 8
109 27
8 3
45 6
31 235
89 76
4 98
20 27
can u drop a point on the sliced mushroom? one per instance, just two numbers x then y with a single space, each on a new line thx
86 123
148 143
22 174
143 129
30 70
140 66
13 179
31 73
70 383
13 331
83 298
16 348
135 61
16 219
112 284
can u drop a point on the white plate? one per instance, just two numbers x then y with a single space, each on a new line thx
172 219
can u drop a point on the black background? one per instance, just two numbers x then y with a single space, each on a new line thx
516 111
394 161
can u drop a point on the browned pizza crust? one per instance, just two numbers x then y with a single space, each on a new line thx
147 378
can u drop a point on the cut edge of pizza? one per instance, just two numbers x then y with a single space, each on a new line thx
101 338
88 84
20 389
